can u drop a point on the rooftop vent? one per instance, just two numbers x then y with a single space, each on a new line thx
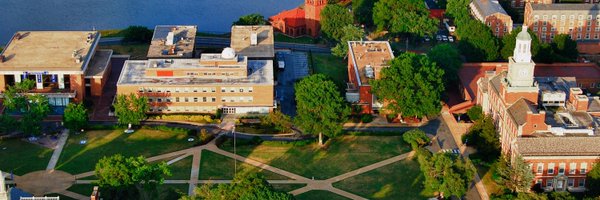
2 58
78 59
170 37
369 72
253 38
228 53
89 37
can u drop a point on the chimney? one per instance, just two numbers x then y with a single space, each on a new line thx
78 59
172 50
581 103
2 58
253 38
170 37
573 92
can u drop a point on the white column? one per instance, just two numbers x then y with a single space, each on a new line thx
18 78
61 81
39 81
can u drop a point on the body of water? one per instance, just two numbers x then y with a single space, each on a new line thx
208 15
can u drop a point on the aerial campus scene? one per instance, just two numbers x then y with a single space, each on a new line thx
300 99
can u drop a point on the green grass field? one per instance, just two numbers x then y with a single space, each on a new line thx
400 179
165 191
22 157
287 187
343 154
77 158
136 51
180 170
334 67
302 40
319 194
112 33
215 166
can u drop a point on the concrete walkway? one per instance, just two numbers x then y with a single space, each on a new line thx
59 147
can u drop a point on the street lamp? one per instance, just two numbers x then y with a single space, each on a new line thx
234 152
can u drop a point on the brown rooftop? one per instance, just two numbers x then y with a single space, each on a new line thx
253 41
98 63
172 41
376 54
559 146
49 51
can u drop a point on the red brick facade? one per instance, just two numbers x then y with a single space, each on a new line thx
300 21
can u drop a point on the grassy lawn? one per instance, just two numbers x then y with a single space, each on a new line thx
256 129
77 158
22 157
303 40
334 67
287 187
320 194
181 169
343 154
83 189
400 179
165 191
112 33
215 166
137 51
488 182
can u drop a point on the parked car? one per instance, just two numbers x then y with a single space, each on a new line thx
426 38
438 37
450 39
445 38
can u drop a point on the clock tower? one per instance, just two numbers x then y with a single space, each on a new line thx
520 66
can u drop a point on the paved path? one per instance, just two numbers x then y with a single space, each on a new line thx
59 147
457 131
195 173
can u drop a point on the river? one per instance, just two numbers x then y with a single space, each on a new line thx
208 15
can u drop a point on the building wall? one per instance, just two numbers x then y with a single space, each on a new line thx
169 100
569 162
366 99
313 16
2 83
499 23
77 85
522 3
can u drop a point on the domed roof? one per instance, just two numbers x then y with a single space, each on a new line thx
524 35
228 53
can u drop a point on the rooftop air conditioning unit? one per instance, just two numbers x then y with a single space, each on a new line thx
253 39
369 72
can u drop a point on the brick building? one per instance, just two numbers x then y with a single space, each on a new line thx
491 13
301 20
522 3
225 81
580 21
66 65
366 59
545 119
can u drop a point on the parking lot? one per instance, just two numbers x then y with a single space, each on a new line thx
296 68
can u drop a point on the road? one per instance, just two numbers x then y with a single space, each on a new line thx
224 42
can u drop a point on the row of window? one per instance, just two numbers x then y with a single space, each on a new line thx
562 23
587 36
561 168
562 29
199 99
195 90
183 109
559 184
564 17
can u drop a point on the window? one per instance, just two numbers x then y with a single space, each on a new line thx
583 168
553 17
168 99
232 90
579 36
158 90
186 99
195 89
549 183
551 35
223 99
203 89
195 99
141 90
563 17
597 29
572 17
587 36
540 168
561 168
551 168
214 99
150 100
536 17
571 182
535 23
553 29
544 29
241 89
572 168
176 99
222 89
203 99
250 89
596 36
168 90
545 23
159 100
580 17
581 183
149 89
176 90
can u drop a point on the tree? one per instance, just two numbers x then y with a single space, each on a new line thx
563 45
8 124
131 109
445 173
411 86
509 41
33 108
475 113
477 42
350 33
363 11
515 176
484 137
120 174
545 54
448 58
416 138
244 187
75 116
458 9
137 34
593 179
280 121
404 16
333 18
320 107
564 195
251 19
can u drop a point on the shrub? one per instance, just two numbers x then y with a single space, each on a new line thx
205 119
137 34
475 113
416 138
366 118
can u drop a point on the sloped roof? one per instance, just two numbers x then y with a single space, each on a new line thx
293 17
559 146
566 6
518 111
489 7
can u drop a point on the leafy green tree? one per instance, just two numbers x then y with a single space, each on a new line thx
244 187
137 34
416 138
363 11
251 19
477 42
34 108
320 107
333 18
509 41
563 45
516 176
521 196
14 99
280 121
475 113
131 109
121 174
448 58
351 33
75 116
593 180
8 124
458 9
445 173
411 86
545 54
562 196
484 137
404 16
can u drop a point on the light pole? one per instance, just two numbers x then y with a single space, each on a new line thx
234 152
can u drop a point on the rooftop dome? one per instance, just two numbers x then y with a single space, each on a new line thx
228 53
524 35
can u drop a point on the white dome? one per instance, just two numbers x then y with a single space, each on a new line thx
228 53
